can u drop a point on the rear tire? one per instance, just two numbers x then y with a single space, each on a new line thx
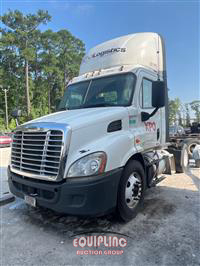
191 145
197 162
131 191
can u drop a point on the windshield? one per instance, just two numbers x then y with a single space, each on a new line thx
101 92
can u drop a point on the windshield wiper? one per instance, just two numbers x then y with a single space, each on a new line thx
86 106
98 105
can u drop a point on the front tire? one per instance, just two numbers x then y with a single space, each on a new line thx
131 191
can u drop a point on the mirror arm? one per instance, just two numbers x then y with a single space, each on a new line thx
146 116
154 111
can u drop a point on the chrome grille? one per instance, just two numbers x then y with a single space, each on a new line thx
37 153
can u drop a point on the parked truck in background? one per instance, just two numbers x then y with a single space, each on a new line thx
108 141
183 143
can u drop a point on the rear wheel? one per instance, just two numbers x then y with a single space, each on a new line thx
197 162
185 159
131 190
182 165
191 144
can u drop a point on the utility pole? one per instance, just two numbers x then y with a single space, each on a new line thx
6 104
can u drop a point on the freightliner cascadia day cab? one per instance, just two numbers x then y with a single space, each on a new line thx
106 144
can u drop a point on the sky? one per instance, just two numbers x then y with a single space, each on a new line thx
97 21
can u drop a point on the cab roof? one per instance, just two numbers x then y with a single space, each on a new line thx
144 49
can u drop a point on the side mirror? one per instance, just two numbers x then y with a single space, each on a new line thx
158 94
16 113
158 99
145 116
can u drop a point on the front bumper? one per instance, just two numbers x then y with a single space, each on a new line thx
93 196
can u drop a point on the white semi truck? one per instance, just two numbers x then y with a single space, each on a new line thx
107 143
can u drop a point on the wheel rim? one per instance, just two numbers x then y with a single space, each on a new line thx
185 158
133 190
191 147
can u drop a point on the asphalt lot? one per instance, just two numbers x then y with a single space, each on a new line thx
165 232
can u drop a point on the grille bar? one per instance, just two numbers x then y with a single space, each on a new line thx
28 159
37 152
37 140
36 145
35 164
35 170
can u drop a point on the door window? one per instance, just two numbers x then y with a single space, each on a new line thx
146 94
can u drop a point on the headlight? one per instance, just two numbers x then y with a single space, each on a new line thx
91 164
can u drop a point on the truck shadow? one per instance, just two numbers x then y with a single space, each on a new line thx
159 207
165 228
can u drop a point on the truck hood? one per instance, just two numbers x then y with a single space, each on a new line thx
80 118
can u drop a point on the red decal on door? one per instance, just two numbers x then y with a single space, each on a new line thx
150 126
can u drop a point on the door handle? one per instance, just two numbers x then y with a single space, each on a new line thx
158 134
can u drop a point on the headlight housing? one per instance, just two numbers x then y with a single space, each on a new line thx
92 164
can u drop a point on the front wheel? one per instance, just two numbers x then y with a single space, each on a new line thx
131 191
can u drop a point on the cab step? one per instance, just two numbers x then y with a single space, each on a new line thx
157 180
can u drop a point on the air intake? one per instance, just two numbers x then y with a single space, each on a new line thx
114 126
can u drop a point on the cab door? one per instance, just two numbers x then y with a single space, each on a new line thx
150 129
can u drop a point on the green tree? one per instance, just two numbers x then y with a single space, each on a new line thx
61 57
35 65
49 56
187 115
174 110
195 106
20 30
71 51
10 67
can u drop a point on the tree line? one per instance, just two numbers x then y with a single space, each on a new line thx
181 113
35 65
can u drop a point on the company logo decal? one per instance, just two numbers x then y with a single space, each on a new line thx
132 120
105 52
150 126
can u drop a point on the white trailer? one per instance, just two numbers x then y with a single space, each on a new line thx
107 142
